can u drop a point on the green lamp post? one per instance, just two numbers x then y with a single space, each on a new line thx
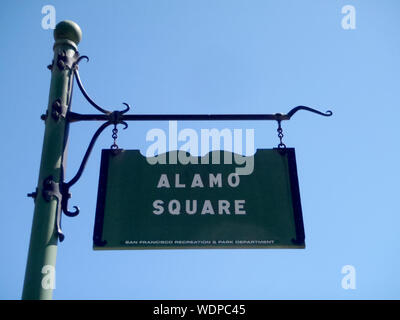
40 269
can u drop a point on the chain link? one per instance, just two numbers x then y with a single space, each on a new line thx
114 146
281 145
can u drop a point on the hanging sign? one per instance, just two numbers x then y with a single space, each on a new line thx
145 203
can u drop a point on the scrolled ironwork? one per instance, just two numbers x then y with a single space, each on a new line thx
120 117
327 113
84 92
112 118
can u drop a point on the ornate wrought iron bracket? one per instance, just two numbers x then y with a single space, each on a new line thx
111 118
61 191
52 189
63 61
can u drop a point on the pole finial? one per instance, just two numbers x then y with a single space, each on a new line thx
68 30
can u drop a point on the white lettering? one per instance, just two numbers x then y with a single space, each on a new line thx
223 206
215 180
177 183
239 206
158 206
237 180
207 208
174 207
163 182
194 207
197 182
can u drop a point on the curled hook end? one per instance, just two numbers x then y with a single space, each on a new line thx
126 109
294 110
61 236
81 58
72 213
125 125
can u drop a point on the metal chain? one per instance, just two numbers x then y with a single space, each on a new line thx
114 146
281 145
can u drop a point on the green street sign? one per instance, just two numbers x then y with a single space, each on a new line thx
143 204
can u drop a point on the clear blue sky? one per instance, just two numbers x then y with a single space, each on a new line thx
217 57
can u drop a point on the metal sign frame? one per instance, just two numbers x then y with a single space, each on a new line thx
99 243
